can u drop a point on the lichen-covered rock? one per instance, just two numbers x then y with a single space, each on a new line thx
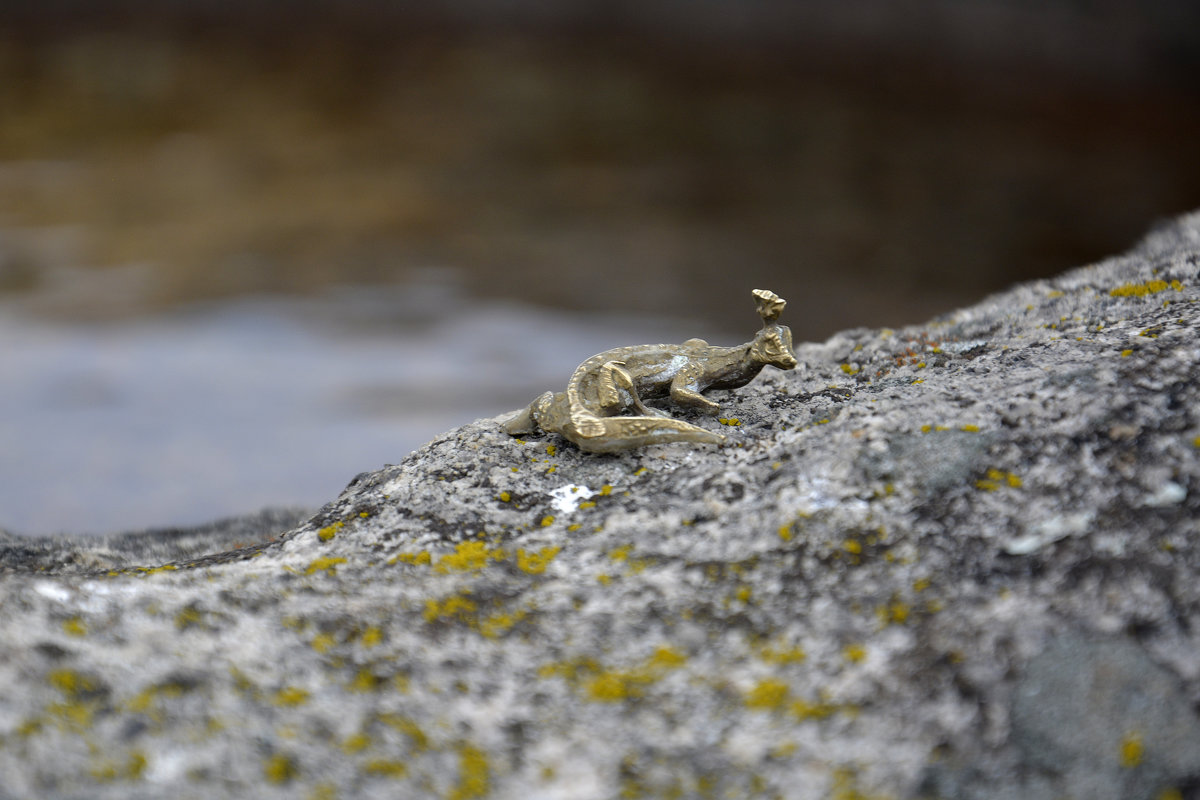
932 562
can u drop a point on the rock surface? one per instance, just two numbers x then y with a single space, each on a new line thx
959 560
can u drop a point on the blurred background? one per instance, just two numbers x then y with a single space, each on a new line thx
250 249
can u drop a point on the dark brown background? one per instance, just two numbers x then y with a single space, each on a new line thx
876 163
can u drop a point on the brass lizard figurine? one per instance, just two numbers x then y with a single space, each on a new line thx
616 381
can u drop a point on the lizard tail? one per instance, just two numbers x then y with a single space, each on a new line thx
612 434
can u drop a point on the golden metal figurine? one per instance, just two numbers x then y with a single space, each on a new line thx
617 381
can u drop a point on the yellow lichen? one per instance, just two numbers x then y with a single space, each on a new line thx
74 626
1144 289
364 681
666 658
386 769
323 791
603 685
845 787
852 546
621 553
71 683
423 557
75 715
785 532
474 774
407 727
612 687
131 769
606 490
454 606
468 557
323 642
1126 353
535 563
768 694
851 370
280 769
782 655
1132 749
547 521
329 531
372 636
892 613
731 421
854 652
586 504
802 709
188 617
290 696
143 571
970 428
355 743
500 623
504 497
997 478
324 564
551 450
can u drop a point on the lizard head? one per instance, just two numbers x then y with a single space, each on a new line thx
773 344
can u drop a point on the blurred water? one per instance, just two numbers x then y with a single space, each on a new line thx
231 407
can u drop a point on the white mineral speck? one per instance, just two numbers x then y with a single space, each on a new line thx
567 498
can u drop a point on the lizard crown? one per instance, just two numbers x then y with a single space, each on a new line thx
769 305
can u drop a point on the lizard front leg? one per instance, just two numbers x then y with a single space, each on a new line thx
685 390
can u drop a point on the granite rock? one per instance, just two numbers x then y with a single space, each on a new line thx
956 560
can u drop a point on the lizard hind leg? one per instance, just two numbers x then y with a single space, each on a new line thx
617 391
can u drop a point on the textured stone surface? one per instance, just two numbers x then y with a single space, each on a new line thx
881 588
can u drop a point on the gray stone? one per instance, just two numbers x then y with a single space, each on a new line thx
1106 719
906 538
